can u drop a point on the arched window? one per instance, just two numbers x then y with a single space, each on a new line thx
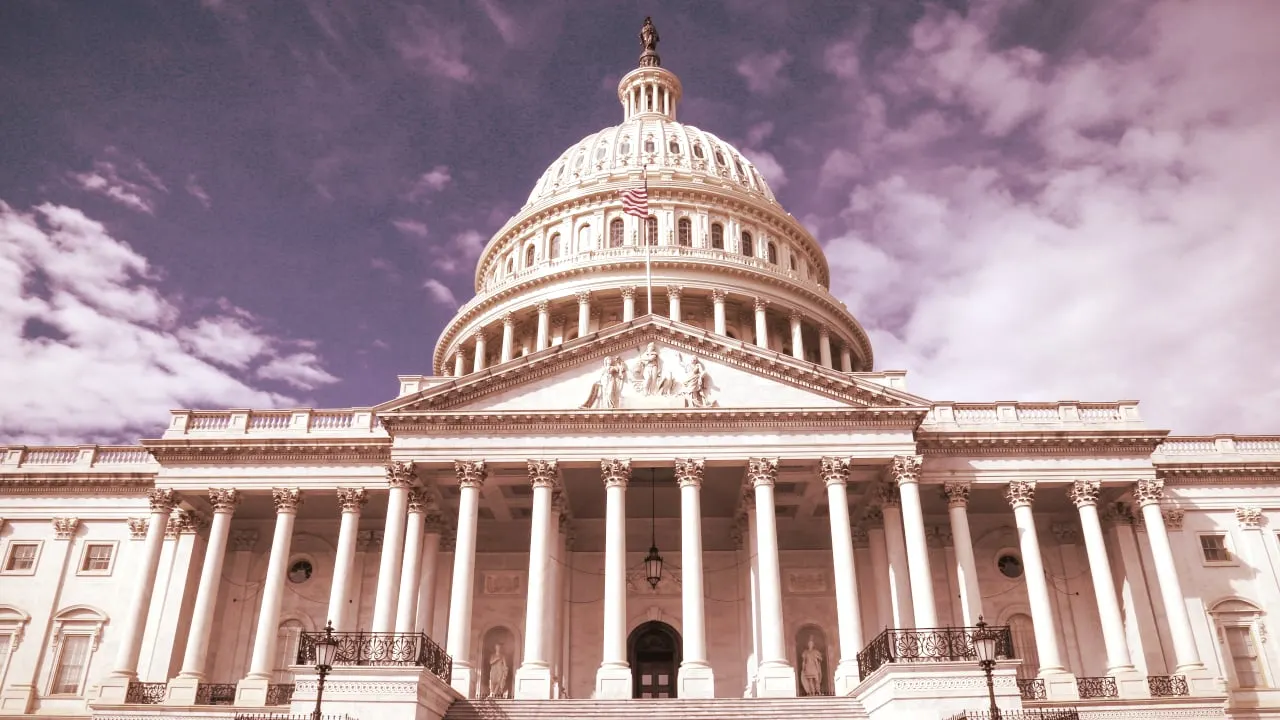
738 165
577 164
553 247
771 253
530 254
651 230
624 147
615 233
697 150
600 151
511 265
791 263
78 630
584 238
717 236
1237 626
684 232
648 145
1024 645
719 157
746 245
673 146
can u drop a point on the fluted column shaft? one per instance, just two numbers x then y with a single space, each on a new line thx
471 476
399 480
264 639
135 622
1185 652
957 496
717 311
1020 495
544 327
906 472
762 324
411 566
1084 493
797 337
193 660
835 473
344 562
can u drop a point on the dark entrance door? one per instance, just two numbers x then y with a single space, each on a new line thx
654 654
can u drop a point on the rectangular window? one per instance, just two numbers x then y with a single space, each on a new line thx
6 639
69 672
22 557
1244 656
1214 548
97 558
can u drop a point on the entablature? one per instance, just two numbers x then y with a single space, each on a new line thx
274 451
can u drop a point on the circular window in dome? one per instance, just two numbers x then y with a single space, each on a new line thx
697 150
300 571
1009 565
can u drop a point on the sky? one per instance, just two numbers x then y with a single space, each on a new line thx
227 203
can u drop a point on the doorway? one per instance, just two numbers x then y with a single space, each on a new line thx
653 649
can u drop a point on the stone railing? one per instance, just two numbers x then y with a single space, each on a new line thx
1243 446
272 422
1013 415
1031 714
82 456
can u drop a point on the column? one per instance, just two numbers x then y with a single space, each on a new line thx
1186 654
824 346
880 569
584 313
695 677
776 676
901 602
613 678
753 553
797 335
114 688
906 472
717 311
762 326
544 326
957 495
1084 493
673 302
478 361
399 479
555 596
846 359
182 689
352 500
628 304
508 336
411 566
1020 495
429 578
835 473
533 678
471 476
460 363
252 690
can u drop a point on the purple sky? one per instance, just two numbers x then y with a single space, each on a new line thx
250 204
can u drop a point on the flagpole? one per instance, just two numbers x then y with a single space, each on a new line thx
648 269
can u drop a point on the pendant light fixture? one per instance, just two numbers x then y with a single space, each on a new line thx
653 561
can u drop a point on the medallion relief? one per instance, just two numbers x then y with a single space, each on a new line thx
656 378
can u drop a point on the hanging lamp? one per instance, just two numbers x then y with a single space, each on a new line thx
653 561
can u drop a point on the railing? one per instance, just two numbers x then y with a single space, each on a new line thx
283 716
1097 687
281 694
1221 445
928 645
269 420
1031 714
209 421
144 693
1168 686
216 694
51 456
365 648
1011 414
1032 689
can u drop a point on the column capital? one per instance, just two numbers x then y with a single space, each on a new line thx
584 296
244 540
182 522
795 314
400 474
718 295
138 528
761 304
543 307
956 493
352 499
161 500
1148 492
224 500
420 500
887 495
477 335
824 332
1118 514
557 320
673 291
762 471
690 471
470 473
544 473
615 473
1084 492
835 470
937 536
906 468
435 523
874 516
628 293
1172 518
509 320
1250 518
1020 493
1065 533
65 527
368 540
286 500
859 536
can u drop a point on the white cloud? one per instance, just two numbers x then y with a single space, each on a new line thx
506 26
432 181
197 191
432 47
460 254
301 370
107 180
414 228
440 293
768 166
763 71
101 352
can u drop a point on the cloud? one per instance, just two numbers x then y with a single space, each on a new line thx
440 293
841 59
763 71
432 181
461 252
135 187
768 166
431 46
195 190
104 354
413 228
506 26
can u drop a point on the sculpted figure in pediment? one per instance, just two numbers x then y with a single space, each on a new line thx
606 392
652 380
647 373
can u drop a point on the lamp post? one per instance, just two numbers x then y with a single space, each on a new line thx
984 645
326 649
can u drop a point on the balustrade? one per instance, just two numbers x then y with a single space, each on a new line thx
1092 688
1029 714
1032 689
216 694
381 649
928 645
280 694
1168 686
145 693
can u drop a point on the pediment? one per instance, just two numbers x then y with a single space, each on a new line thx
652 364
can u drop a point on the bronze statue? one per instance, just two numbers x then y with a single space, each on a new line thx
649 36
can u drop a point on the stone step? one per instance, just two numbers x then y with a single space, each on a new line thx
684 709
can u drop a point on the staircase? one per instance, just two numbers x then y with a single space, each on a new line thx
815 708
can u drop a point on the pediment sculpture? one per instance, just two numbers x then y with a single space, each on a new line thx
658 377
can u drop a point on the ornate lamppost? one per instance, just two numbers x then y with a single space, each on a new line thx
984 645
326 649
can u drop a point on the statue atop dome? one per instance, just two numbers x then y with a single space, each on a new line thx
649 45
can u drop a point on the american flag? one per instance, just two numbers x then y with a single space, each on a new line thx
636 200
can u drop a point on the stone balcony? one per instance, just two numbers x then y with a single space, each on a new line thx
1035 417
127 458
193 424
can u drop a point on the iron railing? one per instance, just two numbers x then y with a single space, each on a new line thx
281 694
1032 689
145 693
216 694
283 716
366 648
1032 714
928 645
1092 688
1168 686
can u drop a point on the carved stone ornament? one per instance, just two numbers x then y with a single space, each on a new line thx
419 500
448 542
352 500
615 473
138 528
1065 533
638 582
287 500
690 471
182 522
369 540
906 468
1020 493
762 471
65 527
887 495
807 581
1148 492
874 517
1084 492
1172 518
224 500
470 473
673 291
1119 514
956 493
244 540
584 297
628 293
937 536
1250 518
860 537
435 523
161 500
835 470
761 304
718 295
657 378
400 475
544 474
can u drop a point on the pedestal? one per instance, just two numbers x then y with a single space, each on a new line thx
464 678
775 680
114 689
533 682
1132 684
1202 683
385 693
182 691
695 680
846 678
936 689
1060 686
613 682
252 691
17 699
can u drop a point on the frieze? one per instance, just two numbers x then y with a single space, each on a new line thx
1050 442
225 451
503 583
76 483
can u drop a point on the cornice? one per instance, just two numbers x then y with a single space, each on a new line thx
247 451
1217 473
76 483
1050 442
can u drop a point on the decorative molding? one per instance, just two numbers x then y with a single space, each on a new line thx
860 537
762 472
1065 533
615 473
1172 519
874 517
368 540
286 500
718 295
60 484
506 582
419 500
1020 493
956 493
544 474
470 473
906 468
244 540
224 500
257 451
676 420
690 471
352 500
937 536
886 494
435 523
65 527
807 581
182 522
1250 518
834 471
1055 441
363 688
1084 492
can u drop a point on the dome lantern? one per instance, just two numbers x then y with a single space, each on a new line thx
649 90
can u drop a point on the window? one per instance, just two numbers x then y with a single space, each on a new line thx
615 233
22 557
746 245
6 641
651 230
300 571
673 146
560 172
738 166
1237 625
717 236
511 265
530 254
791 263
1213 548
1244 656
1009 566
624 147
584 238
684 232
553 250
600 151
13 624
97 558
648 145
771 252
697 150
73 660
719 157
577 164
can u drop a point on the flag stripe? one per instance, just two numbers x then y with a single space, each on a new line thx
636 201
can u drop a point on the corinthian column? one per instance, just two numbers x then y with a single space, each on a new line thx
673 302
695 678
776 677
460 363
544 326
351 500
717 311
584 313
1020 495
835 473
477 337
613 679
957 496
471 476
420 501
399 479
895 549
252 690
628 304
906 472
508 337
824 346
533 678
797 335
762 325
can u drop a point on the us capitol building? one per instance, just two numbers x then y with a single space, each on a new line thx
653 459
